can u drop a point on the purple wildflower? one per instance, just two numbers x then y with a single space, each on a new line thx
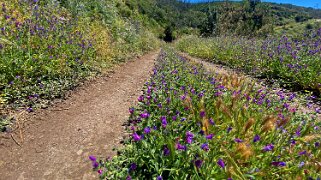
29 109
218 93
201 132
220 87
95 164
279 163
132 128
268 147
205 147
133 167
168 100
211 121
128 177
210 136
159 178
256 138
301 164
198 163
309 105
144 115
180 147
92 158
292 96
298 132
238 140
149 89
131 110
302 153
229 129
201 94
166 151
282 97
100 171
202 114
141 98
147 130
221 163
136 137
164 122
189 137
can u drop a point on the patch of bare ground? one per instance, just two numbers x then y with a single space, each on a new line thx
55 143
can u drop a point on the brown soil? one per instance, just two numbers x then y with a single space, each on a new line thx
56 142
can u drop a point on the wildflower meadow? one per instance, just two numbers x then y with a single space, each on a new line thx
294 61
194 124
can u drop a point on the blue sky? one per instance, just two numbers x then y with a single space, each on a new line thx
306 3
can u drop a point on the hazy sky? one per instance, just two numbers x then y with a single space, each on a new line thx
306 3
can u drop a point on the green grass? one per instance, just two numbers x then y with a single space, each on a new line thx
297 29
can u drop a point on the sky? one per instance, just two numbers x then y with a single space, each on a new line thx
305 3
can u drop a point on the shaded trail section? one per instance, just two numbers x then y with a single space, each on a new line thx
57 141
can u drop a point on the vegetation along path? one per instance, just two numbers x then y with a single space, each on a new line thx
299 103
57 142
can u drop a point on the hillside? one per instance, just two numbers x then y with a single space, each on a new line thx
159 89
49 47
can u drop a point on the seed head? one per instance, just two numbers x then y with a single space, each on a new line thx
248 124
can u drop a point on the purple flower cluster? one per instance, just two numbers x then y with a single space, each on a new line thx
189 137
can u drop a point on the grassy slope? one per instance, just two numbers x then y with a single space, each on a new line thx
47 49
294 28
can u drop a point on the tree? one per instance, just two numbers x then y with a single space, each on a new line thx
169 36
210 25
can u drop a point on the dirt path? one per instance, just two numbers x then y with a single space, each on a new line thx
57 142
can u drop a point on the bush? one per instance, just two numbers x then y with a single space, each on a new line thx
309 26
